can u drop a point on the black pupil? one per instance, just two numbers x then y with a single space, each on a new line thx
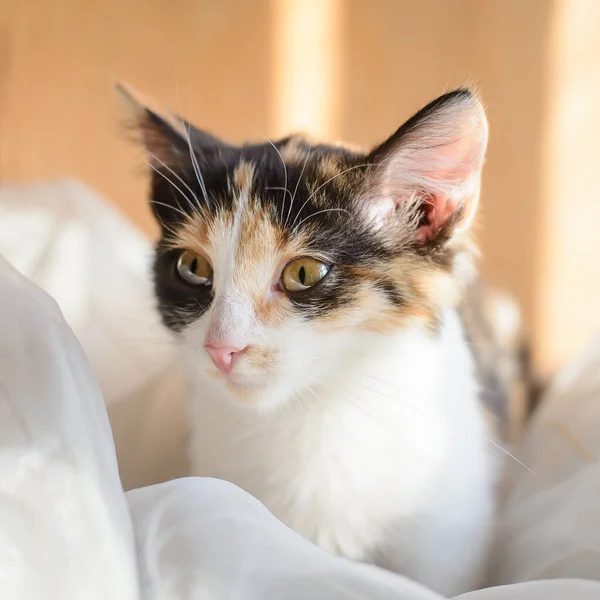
302 275
194 266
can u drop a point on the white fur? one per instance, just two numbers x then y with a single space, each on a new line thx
387 461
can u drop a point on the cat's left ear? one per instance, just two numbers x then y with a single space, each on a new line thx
426 177
167 138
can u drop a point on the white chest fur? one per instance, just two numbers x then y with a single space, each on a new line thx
388 463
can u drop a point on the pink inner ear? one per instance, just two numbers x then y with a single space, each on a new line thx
437 210
433 172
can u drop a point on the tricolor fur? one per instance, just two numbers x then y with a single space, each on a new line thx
354 409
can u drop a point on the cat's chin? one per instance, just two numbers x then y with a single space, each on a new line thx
252 397
248 394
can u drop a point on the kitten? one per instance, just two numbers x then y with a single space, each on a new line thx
318 296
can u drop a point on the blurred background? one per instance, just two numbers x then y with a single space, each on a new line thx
346 69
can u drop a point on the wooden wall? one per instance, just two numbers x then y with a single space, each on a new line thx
351 69
59 115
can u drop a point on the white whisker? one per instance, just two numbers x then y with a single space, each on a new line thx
193 206
195 163
285 182
505 451
276 187
298 184
371 417
175 208
325 210
193 158
285 174
445 415
325 183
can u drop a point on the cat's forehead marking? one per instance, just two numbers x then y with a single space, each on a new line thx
262 250
296 149
256 251
243 175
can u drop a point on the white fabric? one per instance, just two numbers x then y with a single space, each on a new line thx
551 523
64 522
96 265
66 533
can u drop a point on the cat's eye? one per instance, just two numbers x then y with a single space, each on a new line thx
303 273
194 268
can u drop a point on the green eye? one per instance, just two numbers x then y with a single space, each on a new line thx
303 273
194 268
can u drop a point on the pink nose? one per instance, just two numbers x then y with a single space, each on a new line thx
223 356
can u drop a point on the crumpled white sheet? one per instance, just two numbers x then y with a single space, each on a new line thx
66 533
95 264
64 522
67 239
550 526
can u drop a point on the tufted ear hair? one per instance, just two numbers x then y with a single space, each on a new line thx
167 138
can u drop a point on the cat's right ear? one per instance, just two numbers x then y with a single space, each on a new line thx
426 177
167 139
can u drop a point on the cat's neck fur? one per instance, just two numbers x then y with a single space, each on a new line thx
394 441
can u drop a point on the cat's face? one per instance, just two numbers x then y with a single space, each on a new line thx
279 260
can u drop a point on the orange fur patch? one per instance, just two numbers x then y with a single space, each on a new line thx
193 234
260 249
260 357
294 151
242 176
371 312
388 320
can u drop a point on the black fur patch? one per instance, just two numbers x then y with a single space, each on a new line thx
178 302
